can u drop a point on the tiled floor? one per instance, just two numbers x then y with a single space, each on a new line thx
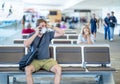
8 34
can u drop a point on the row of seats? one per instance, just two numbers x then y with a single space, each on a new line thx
54 41
76 60
65 54
80 54
66 36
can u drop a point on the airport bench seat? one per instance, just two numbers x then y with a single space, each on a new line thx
72 66
16 69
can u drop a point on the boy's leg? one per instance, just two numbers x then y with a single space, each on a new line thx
29 70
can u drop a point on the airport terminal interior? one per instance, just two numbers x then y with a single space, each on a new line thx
16 16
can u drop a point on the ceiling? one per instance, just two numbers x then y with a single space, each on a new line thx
95 4
73 4
51 4
68 4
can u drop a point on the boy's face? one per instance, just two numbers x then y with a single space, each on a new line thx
42 24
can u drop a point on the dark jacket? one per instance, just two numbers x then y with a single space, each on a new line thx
113 21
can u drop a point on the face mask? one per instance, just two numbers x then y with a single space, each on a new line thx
43 30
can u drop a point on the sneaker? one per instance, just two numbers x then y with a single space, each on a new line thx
111 39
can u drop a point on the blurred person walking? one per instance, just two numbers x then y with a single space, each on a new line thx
94 23
113 22
106 27
10 11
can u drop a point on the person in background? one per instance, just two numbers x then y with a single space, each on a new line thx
57 23
113 22
63 25
23 21
85 37
3 5
10 11
28 30
106 27
43 59
94 23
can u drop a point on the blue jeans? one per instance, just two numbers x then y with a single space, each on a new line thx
111 32
107 32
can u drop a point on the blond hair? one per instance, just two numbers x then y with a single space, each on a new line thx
86 26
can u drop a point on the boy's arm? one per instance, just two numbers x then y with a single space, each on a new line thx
58 32
28 41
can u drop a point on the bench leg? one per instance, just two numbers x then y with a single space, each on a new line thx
108 78
4 79
99 79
